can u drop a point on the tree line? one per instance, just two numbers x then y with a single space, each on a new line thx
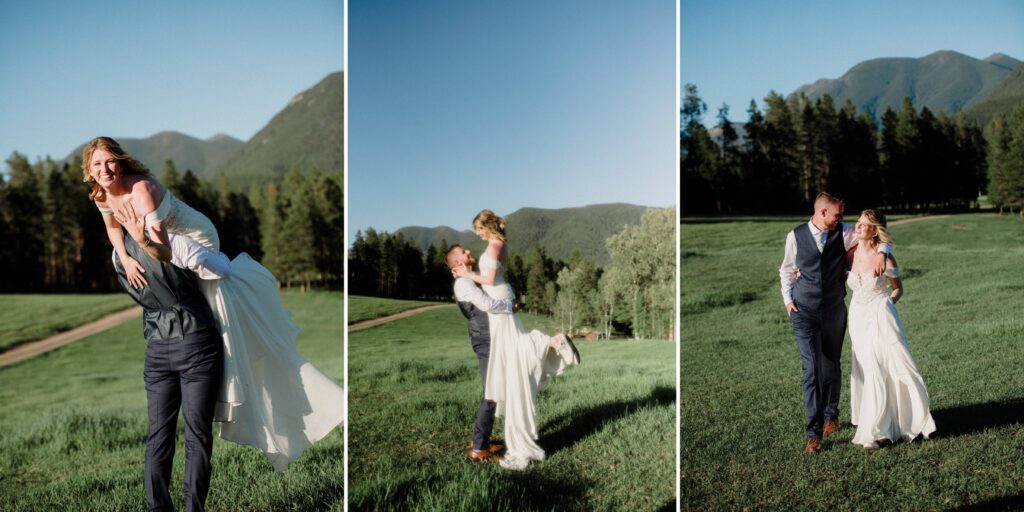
908 160
54 238
633 295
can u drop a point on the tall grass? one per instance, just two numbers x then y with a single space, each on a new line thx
73 428
607 425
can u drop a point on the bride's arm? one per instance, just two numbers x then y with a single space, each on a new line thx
132 270
893 273
487 275
144 199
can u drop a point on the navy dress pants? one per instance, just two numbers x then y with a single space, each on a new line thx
819 336
485 413
181 373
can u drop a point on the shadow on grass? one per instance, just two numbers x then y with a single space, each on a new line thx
1003 503
970 419
529 490
577 426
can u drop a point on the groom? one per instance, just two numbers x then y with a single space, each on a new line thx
184 358
474 305
816 307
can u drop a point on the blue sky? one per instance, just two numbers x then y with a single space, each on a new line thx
72 70
735 51
456 106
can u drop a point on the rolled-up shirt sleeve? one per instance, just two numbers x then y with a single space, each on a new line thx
787 268
207 264
467 291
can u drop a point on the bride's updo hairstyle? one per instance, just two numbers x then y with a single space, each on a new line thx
491 223
877 220
129 165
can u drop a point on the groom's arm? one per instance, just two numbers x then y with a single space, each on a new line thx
188 254
850 241
467 291
787 271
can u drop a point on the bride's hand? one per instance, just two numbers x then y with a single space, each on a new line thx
136 227
461 271
133 271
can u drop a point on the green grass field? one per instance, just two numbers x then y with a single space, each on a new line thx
368 308
742 428
607 425
73 428
31 317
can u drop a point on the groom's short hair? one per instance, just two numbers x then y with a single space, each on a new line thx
448 255
825 199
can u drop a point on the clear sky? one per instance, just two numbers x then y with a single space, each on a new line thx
456 106
70 71
735 51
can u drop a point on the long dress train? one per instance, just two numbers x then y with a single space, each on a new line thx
888 399
520 364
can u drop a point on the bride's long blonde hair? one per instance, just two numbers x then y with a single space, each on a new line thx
129 165
491 223
877 220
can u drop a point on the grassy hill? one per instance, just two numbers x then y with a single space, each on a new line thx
308 132
742 414
560 231
1001 100
943 81
201 156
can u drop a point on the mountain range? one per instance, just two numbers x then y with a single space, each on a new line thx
308 132
944 81
561 232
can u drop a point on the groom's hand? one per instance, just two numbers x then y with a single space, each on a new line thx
791 308
516 306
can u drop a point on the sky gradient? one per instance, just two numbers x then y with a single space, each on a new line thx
735 52
70 71
456 106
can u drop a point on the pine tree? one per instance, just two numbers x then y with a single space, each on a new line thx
22 206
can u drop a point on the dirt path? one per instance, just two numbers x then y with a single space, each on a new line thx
366 324
33 348
915 219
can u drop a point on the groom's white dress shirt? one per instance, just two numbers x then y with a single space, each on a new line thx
466 290
188 254
788 267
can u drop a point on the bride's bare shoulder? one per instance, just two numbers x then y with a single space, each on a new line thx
147 193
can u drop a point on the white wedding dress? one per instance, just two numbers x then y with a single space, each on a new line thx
888 399
520 363
271 397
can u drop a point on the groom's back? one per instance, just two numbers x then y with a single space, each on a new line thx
173 305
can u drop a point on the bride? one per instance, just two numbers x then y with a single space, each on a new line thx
520 362
888 399
271 397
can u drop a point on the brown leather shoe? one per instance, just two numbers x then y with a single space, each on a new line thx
813 445
831 427
489 453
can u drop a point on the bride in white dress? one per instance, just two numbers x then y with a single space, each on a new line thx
888 399
271 397
520 362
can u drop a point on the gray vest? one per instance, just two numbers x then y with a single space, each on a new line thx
822 274
479 324
172 303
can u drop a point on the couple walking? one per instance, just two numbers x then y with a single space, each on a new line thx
514 364
888 399
221 346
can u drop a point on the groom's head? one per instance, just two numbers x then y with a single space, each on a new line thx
457 255
828 211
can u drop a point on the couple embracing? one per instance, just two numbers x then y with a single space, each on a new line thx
888 399
514 364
